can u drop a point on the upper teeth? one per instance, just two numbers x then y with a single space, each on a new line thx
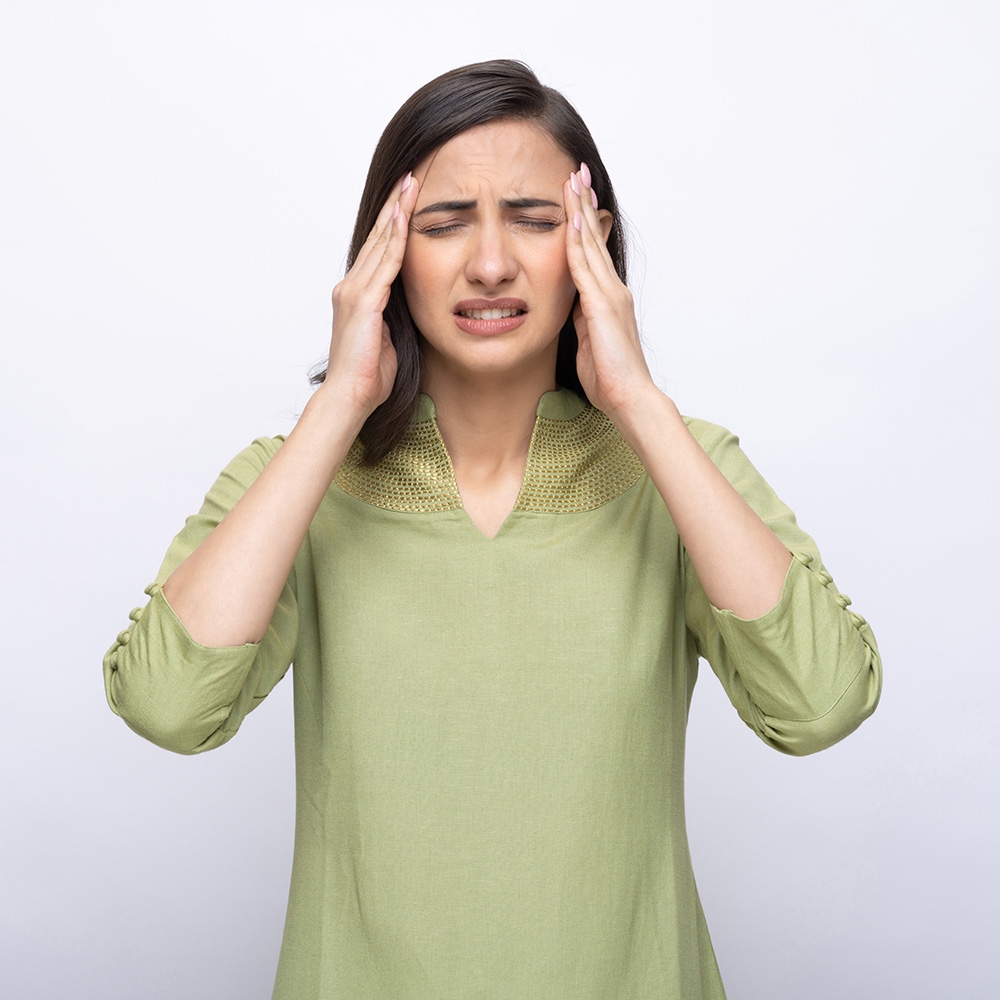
490 313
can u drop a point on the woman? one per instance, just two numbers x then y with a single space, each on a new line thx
495 593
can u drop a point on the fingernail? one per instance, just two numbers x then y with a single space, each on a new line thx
593 198
577 220
574 183
585 174
406 181
395 210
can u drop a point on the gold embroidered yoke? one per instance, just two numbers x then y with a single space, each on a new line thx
576 461
490 732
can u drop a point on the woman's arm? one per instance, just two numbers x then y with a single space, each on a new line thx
740 562
802 670
172 690
226 591
806 673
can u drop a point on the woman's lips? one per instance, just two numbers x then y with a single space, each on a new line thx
484 317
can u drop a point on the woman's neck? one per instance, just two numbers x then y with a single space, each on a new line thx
486 425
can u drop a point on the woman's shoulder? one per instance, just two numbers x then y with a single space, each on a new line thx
266 446
709 435
261 450
247 464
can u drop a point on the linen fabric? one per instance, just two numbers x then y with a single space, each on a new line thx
490 732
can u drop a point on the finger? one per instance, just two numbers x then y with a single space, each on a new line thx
584 261
394 249
593 233
578 264
602 293
371 250
381 220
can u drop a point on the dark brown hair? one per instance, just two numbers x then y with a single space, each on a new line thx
453 103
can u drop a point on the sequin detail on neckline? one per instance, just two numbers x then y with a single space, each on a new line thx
574 465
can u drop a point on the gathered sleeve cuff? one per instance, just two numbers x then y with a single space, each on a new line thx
807 673
169 688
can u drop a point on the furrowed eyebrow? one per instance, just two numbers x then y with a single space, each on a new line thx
467 206
528 203
446 206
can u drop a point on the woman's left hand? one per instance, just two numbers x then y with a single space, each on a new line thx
610 361
740 562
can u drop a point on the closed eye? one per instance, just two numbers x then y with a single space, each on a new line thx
543 225
445 228
442 230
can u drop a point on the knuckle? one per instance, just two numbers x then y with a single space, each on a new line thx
621 296
394 251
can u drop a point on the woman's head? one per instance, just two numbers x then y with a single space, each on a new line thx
456 102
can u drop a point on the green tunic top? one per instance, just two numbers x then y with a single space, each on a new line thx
490 732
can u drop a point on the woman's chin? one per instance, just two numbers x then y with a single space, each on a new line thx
490 358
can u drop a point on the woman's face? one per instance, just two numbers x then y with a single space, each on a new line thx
485 272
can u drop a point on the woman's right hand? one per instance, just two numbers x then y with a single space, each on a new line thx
362 363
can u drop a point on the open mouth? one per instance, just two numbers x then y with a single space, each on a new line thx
485 317
490 313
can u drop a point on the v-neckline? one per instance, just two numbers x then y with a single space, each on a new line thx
426 411
577 461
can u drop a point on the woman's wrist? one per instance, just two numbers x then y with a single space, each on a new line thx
645 416
337 409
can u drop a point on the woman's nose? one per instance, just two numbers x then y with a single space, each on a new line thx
491 257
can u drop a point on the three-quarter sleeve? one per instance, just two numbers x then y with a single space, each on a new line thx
169 688
807 673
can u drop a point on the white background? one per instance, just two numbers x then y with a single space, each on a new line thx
814 190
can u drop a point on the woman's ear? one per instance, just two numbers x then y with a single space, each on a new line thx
606 221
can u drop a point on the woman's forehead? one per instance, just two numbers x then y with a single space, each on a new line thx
507 155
